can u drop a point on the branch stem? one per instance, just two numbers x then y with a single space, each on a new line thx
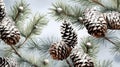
22 43
110 41
68 63
26 38
96 1
17 15
16 52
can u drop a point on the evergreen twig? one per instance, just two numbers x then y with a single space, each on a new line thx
16 52
25 39
110 41
117 3
17 15
20 14
89 46
39 21
96 1
104 63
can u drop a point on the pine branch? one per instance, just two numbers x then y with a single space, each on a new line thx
22 43
92 3
111 41
118 3
40 45
17 15
110 37
34 27
97 2
116 49
35 45
16 52
20 11
88 3
89 46
61 10
25 39
5 50
105 63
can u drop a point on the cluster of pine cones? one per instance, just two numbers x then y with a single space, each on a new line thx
97 22
8 31
63 49
9 34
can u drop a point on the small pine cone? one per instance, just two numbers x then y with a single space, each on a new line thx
9 33
7 62
113 20
69 36
59 51
81 60
95 23
2 10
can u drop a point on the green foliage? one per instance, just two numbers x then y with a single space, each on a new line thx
104 64
104 5
35 26
87 3
89 46
20 15
116 49
5 50
64 13
38 49
111 37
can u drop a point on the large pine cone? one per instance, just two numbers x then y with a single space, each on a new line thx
9 32
59 51
69 36
95 23
81 60
113 20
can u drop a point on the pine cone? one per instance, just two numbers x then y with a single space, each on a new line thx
68 34
9 33
2 10
95 23
81 60
59 51
113 20
7 62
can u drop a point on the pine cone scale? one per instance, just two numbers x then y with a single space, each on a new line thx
68 34
113 20
80 59
9 33
95 23
59 51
